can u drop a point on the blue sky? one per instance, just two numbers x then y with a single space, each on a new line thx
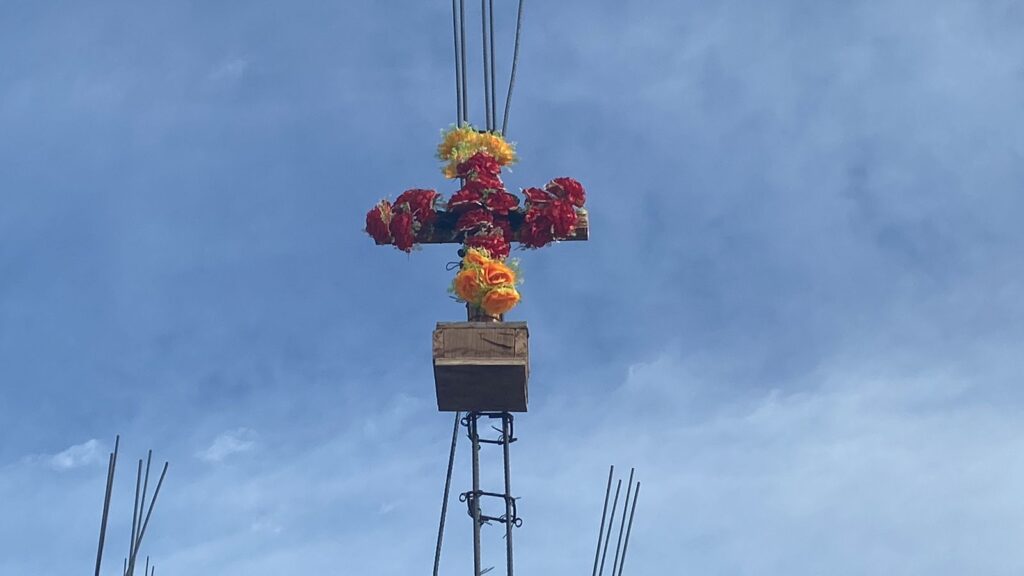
796 316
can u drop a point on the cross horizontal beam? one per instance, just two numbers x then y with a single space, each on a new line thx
443 231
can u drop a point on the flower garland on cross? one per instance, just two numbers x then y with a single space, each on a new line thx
482 215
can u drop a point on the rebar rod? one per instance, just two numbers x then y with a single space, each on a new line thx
494 86
149 513
629 527
447 488
506 435
486 75
622 525
604 515
458 77
475 440
145 484
135 514
111 467
611 522
462 36
512 76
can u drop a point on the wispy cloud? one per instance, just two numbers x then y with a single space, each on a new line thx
228 443
77 456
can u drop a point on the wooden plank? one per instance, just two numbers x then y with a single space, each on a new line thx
481 366
443 230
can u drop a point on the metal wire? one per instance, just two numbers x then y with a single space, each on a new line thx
444 502
512 76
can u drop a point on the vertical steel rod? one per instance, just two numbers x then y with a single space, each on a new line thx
512 75
462 36
458 77
447 488
475 439
622 525
611 522
487 75
142 530
604 515
629 527
506 435
494 86
111 467
135 514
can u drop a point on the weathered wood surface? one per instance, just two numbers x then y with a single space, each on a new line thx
481 366
443 230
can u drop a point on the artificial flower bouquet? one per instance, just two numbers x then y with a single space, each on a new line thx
482 215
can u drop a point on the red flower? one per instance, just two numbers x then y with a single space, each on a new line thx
479 164
536 196
377 221
465 199
474 220
500 202
420 203
562 216
495 244
481 183
402 230
501 223
568 189
536 230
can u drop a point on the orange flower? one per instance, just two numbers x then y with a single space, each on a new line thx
475 257
467 285
500 300
498 274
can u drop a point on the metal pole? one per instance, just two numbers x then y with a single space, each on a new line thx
622 526
111 467
611 522
487 63
475 439
629 527
604 515
506 435
447 487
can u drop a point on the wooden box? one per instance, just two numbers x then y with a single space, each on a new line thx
481 366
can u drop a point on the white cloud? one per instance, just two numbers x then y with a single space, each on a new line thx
77 456
228 443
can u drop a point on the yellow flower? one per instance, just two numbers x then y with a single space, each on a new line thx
460 144
500 300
